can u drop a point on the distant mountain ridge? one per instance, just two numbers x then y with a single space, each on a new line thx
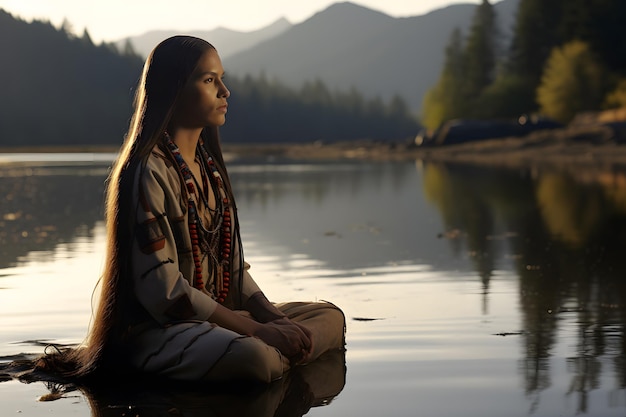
227 41
348 45
85 97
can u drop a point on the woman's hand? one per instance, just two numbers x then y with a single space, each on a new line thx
292 339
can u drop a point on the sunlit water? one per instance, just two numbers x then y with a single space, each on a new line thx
467 291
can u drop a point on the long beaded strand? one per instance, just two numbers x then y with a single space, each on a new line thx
222 290
222 278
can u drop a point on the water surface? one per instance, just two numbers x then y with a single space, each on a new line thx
468 291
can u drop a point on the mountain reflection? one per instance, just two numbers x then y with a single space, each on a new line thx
567 235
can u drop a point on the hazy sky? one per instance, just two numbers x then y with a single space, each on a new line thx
112 20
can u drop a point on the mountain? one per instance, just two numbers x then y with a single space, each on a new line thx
60 89
227 41
347 45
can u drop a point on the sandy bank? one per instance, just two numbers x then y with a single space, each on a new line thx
577 145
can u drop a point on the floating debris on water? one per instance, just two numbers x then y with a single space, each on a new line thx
518 333
367 318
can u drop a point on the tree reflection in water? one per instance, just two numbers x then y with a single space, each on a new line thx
43 207
563 233
567 236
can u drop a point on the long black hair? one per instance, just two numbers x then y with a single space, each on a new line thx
166 71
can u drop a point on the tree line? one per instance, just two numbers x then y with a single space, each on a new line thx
59 88
566 57
263 110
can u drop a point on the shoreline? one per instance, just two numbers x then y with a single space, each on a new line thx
577 145
574 146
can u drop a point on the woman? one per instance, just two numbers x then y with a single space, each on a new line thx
176 297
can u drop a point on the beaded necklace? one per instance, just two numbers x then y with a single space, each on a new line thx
201 237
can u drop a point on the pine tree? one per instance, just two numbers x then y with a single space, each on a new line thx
129 49
86 38
536 34
481 51
446 99
67 27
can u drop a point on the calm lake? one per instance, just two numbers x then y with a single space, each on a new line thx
468 291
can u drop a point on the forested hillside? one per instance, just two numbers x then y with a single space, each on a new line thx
266 111
566 57
61 89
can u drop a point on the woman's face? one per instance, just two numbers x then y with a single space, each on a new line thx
203 100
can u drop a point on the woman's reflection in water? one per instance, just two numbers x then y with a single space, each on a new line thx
315 384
